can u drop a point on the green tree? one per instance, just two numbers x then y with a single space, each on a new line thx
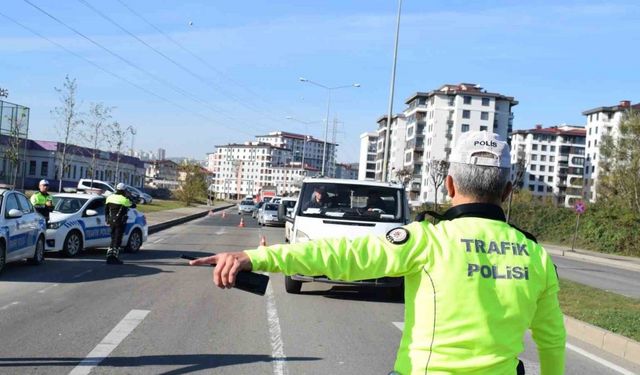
619 182
194 187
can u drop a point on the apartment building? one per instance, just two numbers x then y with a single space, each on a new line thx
554 161
367 159
347 171
601 121
397 137
305 149
435 120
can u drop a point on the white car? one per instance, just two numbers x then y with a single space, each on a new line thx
78 222
21 229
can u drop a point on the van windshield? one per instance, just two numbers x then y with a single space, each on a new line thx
351 201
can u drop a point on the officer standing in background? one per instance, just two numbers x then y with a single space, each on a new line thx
117 206
42 201
473 283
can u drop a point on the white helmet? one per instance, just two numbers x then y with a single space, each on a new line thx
120 186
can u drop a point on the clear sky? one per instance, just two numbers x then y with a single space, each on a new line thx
557 58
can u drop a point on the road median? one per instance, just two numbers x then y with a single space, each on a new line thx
183 219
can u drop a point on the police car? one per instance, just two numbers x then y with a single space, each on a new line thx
21 229
78 222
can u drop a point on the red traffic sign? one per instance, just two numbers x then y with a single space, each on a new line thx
580 207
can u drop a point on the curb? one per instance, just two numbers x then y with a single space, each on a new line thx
594 259
620 346
170 223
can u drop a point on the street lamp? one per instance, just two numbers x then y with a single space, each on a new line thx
326 128
306 136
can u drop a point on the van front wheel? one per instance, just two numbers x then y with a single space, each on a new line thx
292 286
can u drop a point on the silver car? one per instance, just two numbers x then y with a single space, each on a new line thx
269 215
246 207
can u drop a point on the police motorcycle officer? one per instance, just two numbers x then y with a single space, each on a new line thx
473 283
117 205
42 200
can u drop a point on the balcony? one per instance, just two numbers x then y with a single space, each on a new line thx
415 144
449 136
450 122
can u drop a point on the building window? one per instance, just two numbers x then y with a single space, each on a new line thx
549 178
32 168
531 187
532 177
534 167
553 149
534 157
484 115
543 157
467 100
486 101
551 168
466 113
465 128
549 189
543 148
540 188
44 169
552 158
534 147
452 101
542 168
483 128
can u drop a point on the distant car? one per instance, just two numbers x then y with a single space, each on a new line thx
143 197
246 206
256 209
103 187
276 200
269 215
289 207
78 222
21 229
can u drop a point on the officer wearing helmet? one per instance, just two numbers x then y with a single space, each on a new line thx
117 206
474 284
42 201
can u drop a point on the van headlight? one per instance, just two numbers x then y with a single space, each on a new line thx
56 224
302 236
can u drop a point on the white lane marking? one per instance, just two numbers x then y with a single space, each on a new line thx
82 273
220 232
9 305
47 288
158 240
591 356
277 347
110 342
601 361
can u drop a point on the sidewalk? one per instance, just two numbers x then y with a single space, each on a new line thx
619 261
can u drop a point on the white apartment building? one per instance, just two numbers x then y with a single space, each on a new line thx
367 159
243 169
435 120
601 121
554 161
397 138
304 147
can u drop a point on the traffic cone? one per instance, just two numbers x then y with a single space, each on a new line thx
241 225
263 241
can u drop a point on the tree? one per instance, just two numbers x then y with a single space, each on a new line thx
404 175
619 181
68 119
194 186
437 171
518 173
118 135
18 129
93 132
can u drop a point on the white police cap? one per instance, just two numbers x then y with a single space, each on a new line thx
120 186
44 182
472 145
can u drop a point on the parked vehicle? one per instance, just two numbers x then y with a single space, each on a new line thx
21 229
269 215
104 188
246 206
346 208
289 205
78 222
144 198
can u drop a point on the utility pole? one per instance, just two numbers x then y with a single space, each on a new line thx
387 149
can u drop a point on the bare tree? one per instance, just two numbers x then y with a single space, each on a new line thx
118 135
68 119
93 132
519 168
18 124
437 171
404 175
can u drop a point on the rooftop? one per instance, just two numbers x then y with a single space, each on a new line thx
558 130
290 135
623 105
461 89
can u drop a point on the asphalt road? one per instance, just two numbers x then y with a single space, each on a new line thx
156 315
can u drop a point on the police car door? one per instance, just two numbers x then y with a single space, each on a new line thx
17 241
97 232
31 221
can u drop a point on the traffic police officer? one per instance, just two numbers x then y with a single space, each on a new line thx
42 201
473 283
117 206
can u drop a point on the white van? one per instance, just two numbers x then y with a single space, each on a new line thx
345 208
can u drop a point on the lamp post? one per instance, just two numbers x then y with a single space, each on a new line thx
326 128
306 136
